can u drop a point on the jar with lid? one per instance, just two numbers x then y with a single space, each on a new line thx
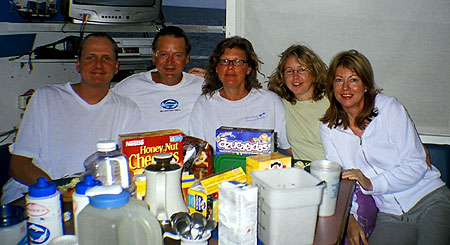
108 165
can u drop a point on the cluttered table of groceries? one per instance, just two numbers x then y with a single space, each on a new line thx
168 192
329 230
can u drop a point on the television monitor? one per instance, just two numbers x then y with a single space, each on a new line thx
112 11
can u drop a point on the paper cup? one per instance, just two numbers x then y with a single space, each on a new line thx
330 172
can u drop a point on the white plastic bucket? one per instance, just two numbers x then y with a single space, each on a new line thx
288 202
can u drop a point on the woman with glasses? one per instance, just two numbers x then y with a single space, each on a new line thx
300 80
232 95
372 136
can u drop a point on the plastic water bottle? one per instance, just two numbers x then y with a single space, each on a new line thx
43 205
79 198
117 219
108 165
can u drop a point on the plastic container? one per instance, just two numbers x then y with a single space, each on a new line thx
108 165
13 225
79 198
117 219
43 205
225 162
288 203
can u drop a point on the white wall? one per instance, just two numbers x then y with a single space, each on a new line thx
407 42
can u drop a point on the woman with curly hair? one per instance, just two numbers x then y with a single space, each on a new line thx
232 95
299 80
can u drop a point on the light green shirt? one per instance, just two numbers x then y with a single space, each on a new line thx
303 131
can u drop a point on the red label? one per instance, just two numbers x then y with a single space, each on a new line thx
36 210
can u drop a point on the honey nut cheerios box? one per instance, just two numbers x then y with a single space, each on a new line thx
141 147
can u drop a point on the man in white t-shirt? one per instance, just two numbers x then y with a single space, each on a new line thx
166 95
63 122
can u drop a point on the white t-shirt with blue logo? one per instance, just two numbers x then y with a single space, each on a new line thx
162 106
260 109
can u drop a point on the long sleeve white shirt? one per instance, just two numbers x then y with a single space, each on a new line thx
390 153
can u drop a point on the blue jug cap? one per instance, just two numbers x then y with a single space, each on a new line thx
87 183
42 188
110 200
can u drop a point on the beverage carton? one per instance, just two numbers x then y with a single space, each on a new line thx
244 141
273 160
203 195
141 147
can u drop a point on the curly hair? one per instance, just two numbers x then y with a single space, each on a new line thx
335 114
317 67
212 82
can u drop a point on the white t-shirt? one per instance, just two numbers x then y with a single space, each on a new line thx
161 106
260 109
60 130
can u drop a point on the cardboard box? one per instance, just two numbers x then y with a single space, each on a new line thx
244 141
203 196
141 147
266 161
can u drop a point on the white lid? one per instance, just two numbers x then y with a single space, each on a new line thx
106 145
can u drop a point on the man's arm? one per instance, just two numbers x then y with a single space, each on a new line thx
23 170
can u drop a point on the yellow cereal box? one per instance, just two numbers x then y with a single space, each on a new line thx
141 147
203 196
266 161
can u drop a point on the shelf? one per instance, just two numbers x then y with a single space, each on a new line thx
71 27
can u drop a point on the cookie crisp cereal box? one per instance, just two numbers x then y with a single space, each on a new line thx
244 141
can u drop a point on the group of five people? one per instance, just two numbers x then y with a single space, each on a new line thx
335 113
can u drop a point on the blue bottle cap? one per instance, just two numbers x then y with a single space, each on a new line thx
87 183
110 200
42 188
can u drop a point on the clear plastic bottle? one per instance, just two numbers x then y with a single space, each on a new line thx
108 165
117 219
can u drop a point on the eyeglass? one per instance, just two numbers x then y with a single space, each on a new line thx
226 62
165 55
300 71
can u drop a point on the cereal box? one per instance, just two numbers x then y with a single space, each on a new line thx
266 161
203 196
244 141
141 147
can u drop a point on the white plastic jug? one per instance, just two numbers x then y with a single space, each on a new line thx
117 219
163 193
108 165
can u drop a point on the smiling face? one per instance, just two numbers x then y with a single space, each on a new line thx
170 59
349 90
97 63
298 79
230 75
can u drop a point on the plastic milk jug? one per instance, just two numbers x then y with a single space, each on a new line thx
108 165
117 219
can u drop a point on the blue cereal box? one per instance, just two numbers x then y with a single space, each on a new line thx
244 141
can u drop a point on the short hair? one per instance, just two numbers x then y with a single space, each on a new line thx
99 35
212 82
335 115
173 31
316 66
